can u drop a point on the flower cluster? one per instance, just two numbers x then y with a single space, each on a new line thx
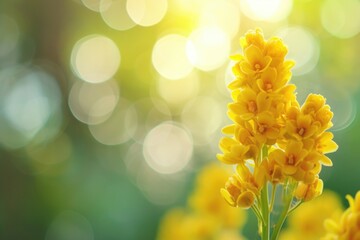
348 226
207 216
273 139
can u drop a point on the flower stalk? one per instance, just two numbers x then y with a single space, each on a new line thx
273 141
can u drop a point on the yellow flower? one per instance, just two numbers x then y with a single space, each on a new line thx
255 61
234 152
325 144
324 116
245 134
267 128
315 106
312 104
248 103
299 125
242 80
255 38
307 222
274 171
307 192
276 49
290 159
236 194
309 168
269 81
251 180
348 227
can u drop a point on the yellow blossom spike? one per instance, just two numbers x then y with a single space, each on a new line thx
274 138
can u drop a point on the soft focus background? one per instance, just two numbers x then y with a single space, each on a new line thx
109 108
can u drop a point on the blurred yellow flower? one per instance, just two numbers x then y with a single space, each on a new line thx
207 200
347 227
177 224
207 216
307 222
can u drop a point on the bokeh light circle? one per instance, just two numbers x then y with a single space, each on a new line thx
93 5
195 117
119 127
208 48
224 14
302 47
95 58
341 18
168 148
180 91
114 14
93 103
146 12
30 106
266 10
169 57
151 112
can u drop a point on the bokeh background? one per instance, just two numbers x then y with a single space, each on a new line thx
109 108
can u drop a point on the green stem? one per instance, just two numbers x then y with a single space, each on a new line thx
257 213
265 213
272 196
288 196
295 207
264 204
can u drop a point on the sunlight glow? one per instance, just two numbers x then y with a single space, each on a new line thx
208 48
266 10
